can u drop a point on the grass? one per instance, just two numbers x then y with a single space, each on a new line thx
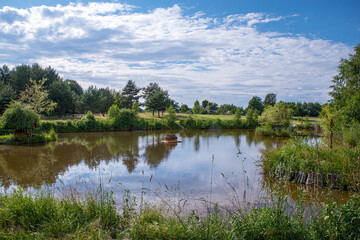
95 216
299 155
149 115
38 138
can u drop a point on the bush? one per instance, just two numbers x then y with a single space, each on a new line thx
19 117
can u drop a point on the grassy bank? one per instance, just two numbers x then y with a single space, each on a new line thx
299 157
11 139
127 121
95 216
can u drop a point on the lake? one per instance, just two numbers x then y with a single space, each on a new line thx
213 165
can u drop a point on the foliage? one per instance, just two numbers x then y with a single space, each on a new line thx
329 123
299 155
60 92
196 107
252 118
270 99
135 108
304 109
7 94
345 88
184 108
277 115
19 117
171 118
156 99
255 103
129 95
36 96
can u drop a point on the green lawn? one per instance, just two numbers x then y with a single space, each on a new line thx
194 116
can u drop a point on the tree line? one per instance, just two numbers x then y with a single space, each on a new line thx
48 94
43 87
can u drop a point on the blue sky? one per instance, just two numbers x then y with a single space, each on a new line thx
224 51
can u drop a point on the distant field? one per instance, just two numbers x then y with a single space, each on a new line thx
312 120
293 120
194 116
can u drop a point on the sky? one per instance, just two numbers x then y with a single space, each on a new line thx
224 51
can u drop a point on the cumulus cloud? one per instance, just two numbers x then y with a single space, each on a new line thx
227 60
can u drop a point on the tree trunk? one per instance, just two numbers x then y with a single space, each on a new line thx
158 113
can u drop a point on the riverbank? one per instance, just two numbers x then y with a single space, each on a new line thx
315 164
11 139
127 121
42 216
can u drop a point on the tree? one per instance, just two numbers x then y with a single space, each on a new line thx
20 77
196 108
270 99
277 115
255 103
37 97
156 99
204 103
184 108
60 92
346 88
252 118
20 117
7 94
135 108
238 114
170 118
105 97
129 95
5 74
328 121
74 87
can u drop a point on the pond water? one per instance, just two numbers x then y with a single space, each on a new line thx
215 165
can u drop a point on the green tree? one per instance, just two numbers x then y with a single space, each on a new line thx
5 74
346 88
60 92
156 99
277 115
252 118
171 117
36 96
117 99
270 99
129 95
184 108
255 103
74 87
20 77
105 97
20 117
7 94
135 108
196 108
204 103
238 114
329 123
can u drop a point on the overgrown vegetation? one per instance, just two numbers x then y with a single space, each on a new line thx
42 216
300 156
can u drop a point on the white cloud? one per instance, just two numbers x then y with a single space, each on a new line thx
223 60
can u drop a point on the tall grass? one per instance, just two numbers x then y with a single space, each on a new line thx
300 155
95 216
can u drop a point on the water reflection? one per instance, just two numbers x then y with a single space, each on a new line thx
131 158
